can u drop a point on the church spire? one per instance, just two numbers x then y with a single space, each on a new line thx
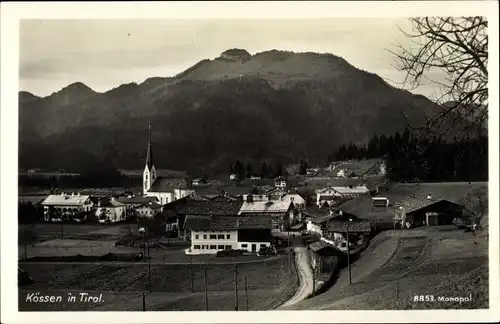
149 156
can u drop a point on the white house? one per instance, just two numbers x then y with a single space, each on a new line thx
278 194
110 210
149 210
210 234
65 206
233 177
164 189
330 194
280 183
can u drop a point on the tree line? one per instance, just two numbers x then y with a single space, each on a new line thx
410 157
263 170
94 178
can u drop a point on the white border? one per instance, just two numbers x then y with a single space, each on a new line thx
11 13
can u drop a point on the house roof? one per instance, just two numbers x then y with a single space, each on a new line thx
318 245
210 207
354 190
414 203
108 202
322 219
152 205
136 200
223 223
65 200
314 211
341 225
265 207
164 184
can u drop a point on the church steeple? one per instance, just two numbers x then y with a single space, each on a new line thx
149 156
149 175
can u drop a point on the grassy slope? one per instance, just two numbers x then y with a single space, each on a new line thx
447 263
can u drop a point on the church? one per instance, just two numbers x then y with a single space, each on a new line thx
164 189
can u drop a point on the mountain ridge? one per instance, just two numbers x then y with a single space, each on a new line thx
276 105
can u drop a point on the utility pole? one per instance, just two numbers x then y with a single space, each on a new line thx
191 272
289 254
206 288
397 289
149 270
348 253
236 287
62 230
246 293
143 302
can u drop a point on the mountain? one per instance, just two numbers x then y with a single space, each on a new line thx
26 97
274 105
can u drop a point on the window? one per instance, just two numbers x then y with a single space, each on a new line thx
244 246
196 237
213 247
228 236
220 247
213 236
196 247
262 246
228 247
204 236
220 236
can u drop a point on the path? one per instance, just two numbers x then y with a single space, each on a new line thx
305 275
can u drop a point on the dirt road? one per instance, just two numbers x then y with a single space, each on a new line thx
305 275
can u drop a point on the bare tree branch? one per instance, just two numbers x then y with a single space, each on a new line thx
457 46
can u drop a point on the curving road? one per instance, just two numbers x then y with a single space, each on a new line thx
305 275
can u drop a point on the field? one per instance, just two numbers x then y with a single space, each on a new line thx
269 283
403 264
47 232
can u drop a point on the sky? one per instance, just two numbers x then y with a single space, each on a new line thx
106 53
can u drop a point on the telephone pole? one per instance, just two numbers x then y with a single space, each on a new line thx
191 272
348 254
236 287
246 294
206 289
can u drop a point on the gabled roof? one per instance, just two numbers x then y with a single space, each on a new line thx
318 245
341 225
414 203
136 200
163 184
225 223
152 205
65 200
210 207
265 207
108 202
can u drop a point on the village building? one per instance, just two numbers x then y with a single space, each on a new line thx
164 189
277 194
282 213
110 210
132 202
329 195
426 211
149 210
178 211
210 234
280 183
61 207
198 181
337 228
